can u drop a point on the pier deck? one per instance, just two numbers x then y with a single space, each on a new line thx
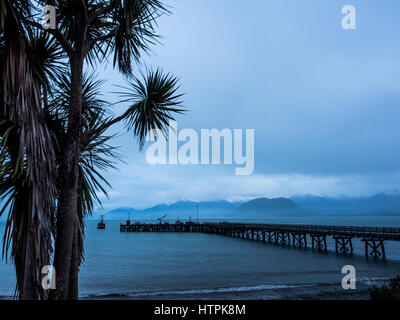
285 234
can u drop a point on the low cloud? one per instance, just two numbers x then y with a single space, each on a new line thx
142 185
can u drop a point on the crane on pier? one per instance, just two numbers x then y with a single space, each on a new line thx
160 219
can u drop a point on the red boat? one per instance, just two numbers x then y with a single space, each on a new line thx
101 225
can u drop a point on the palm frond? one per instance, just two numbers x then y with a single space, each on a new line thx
154 100
11 11
47 56
91 93
133 31
21 106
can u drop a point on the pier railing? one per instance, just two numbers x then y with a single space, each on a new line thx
387 233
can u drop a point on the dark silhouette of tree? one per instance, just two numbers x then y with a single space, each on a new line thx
53 123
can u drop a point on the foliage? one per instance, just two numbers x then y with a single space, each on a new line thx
386 292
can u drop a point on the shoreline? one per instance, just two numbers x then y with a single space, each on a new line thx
320 291
323 291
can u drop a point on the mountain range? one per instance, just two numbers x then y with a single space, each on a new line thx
381 203
177 210
300 205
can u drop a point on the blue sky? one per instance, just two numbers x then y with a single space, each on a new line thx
324 102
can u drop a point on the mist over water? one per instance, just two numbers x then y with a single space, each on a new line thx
143 265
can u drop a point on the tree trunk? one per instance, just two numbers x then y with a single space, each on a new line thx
75 263
69 173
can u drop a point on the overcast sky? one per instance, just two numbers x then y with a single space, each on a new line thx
324 102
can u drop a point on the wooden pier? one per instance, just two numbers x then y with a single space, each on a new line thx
285 234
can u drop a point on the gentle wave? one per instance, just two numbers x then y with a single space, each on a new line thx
365 281
193 291
199 291
372 281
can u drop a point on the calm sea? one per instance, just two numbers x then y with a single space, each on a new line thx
146 265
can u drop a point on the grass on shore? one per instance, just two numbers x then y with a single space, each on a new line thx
386 292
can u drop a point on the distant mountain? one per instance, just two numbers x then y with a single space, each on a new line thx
123 210
382 203
264 207
327 205
177 210
385 202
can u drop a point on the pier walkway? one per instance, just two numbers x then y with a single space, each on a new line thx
285 234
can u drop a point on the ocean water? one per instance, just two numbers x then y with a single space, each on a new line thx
148 265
